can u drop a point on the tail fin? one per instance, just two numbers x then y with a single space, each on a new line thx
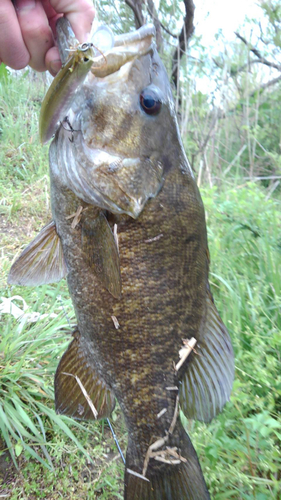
163 481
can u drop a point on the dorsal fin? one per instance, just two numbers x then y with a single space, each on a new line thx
80 393
41 262
100 248
207 382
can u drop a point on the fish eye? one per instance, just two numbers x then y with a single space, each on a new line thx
150 102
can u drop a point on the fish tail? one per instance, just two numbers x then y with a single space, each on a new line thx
163 481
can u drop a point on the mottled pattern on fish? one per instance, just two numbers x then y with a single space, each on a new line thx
159 305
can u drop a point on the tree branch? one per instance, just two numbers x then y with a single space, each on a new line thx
224 114
202 145
234 72
136 6
152 11
153 15
258 54
185 34
264 86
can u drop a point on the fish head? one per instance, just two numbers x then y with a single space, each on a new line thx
129 137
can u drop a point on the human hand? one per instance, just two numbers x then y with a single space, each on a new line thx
27 28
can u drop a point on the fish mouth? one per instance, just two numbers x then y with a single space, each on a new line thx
126 48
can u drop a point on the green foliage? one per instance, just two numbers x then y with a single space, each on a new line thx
22 157
116 14
30 350
240 450
4 73
272 11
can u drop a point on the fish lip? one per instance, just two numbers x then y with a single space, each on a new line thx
126 48
141 33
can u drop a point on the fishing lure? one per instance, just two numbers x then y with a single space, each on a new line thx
75 68
61 93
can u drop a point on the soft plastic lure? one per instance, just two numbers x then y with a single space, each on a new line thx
60 94
77 60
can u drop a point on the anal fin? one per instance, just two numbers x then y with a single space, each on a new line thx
100 248
80 393
41 262
207 382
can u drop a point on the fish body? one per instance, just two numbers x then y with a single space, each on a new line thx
131 223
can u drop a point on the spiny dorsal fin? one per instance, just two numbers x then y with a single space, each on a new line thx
77 382
99 245
207 382
41 262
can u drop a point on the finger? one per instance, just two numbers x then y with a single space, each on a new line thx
36 31
80 14
13 51
52 61
51 14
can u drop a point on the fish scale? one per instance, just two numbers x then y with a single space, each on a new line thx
141 328
129 234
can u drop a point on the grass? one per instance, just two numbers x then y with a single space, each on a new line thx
242 446
58 458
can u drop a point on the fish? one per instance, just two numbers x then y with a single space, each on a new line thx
129 234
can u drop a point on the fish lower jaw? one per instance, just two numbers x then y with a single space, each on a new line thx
125 184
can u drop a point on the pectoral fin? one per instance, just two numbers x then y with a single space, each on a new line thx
207 383
79 391
41 262
100 248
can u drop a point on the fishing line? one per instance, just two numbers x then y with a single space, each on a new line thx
116 441
108 421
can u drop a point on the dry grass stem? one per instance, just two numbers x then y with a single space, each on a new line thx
167 461
137 475
161 412
115 322
76 216
161 442
174 421
156 238
88 399
185 351
115 234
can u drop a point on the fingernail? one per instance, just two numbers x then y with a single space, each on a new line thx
55 66
25 4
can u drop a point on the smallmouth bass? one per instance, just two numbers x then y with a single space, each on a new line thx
129 233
